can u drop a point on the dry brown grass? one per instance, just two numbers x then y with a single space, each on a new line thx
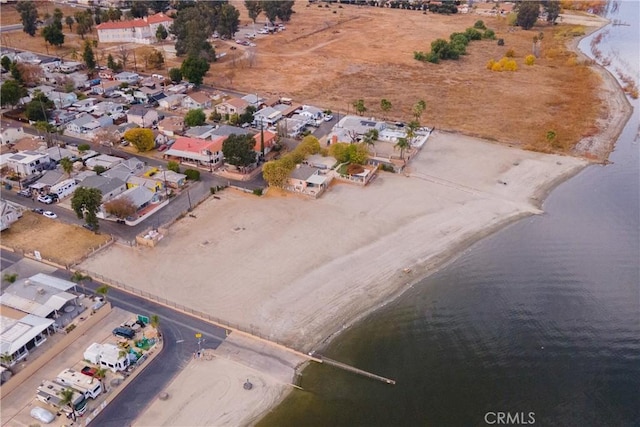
57 241
332 59
9 15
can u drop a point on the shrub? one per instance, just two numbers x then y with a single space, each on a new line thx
433 58
212 190
257 191
530 60
510 53
489 34
172 165
473 34
490 64
500 42
496 66
479 25
192 174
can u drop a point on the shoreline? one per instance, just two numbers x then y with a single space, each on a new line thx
280 307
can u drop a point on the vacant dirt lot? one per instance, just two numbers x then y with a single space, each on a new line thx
57 241
331 59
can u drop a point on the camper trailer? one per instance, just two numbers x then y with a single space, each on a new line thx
51 394
108 356
89 387
64 188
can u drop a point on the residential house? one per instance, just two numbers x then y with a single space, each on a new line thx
48 180
26 163
312 113
9 213
254 100
352 128
104 161
58 153
22 333
197 151
11 134
265 138
149 95
159 138
267 116
143 117
172 101
292 126
127 77
151 183
88 124
85 105
106 87
320 162
139 30
70 67
307 180
140 196
125 169
232 106
200 132
173 179
110 187
171 126
109 108
62 99
29 143
196 100
62 117
226 130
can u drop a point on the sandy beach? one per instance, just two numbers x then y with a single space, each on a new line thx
301 271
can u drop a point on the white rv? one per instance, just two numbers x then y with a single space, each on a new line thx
64 188
51 394
90 387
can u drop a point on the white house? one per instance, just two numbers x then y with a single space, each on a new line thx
267 116
26 163
88 124
107 108
196 100
127 77
171 101
143 117
313 113
11 134
62 99
104 161
70 67
8 214
138 30
64 188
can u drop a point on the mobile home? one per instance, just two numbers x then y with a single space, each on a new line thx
90 387
51 394
64 188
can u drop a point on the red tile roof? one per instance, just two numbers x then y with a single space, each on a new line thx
269 140
197 145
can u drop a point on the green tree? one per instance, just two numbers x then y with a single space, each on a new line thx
57 18
528 12
254 7
139 9
53 35
192 174
175 75
402 145
194 69
552 7
79 278
154 321
103 291
412 129
66 399
48 129
10 277
5 61
238 150
11 92
385 105
100 375
28 16
228 21
85 203
418 109
193 26
247 116
84 147
278 9
113 65
36 110
370 137
140 138
195 118
88 56
84 20
67 165
99 169
161 33
172 165
69 21
360 107
276 172
159 5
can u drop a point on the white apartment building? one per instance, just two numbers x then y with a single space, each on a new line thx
139 30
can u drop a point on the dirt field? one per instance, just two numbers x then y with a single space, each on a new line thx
331 59
57 241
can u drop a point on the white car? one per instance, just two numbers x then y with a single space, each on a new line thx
328 118
49 214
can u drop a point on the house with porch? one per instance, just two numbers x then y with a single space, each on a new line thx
62 99
110 187
266 117
173 179
103 160
153 184
199 152
307 180
26 163
87 123
20 334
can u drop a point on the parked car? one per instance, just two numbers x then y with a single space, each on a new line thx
89 227
38 211
24 193
163 147
89 371
54 196
328 117
45 199
42 415
127 333
50 214
131 324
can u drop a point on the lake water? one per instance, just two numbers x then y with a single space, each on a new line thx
542 317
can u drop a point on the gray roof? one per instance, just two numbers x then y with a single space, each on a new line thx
82 120
138 111
51 177
303 172
226 130
104 184
138 195
199 130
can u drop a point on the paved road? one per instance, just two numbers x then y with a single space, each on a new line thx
178 331
7 259
7 28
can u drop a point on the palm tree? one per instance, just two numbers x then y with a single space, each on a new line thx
101 374
6 359
385 106
402 144
412 128
67 165
103 291
370 137
418 109
359 106
80 278
155 321
66 399
10 277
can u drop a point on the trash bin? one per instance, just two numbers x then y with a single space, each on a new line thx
8 186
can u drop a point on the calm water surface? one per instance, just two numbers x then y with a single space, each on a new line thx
542 317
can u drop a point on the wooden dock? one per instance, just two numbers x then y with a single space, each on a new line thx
353 369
